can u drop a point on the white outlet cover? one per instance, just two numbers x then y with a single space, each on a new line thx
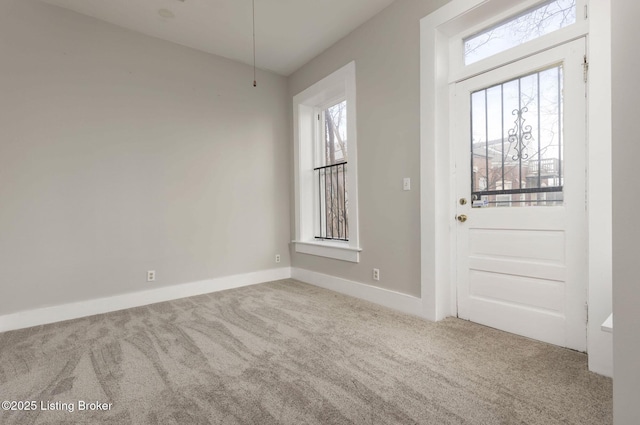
406 183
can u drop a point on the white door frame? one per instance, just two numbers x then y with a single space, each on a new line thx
436 185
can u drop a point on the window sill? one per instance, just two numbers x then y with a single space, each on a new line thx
335 250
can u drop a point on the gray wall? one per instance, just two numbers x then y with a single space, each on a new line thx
626 230
121 153
387 54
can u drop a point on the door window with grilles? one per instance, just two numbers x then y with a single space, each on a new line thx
516 141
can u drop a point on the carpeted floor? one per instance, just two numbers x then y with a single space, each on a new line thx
290 353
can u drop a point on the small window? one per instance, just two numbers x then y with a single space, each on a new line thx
533 23
482 183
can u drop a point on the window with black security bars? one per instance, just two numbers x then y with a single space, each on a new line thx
516 141
331 177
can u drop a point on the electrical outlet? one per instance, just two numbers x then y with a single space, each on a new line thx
151 275
277 258
406 183
376 274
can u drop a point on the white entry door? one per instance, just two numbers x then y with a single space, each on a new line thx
520 197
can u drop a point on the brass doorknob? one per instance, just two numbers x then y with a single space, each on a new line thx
462 218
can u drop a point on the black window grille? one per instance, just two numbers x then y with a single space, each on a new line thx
516 141
333 218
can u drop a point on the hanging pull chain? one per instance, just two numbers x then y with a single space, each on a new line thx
254 41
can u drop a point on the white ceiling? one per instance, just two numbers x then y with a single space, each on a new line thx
288 32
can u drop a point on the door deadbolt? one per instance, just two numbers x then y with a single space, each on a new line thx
463 201
462 218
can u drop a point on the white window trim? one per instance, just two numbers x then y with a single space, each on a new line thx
340 84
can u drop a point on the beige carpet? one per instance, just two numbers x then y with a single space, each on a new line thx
290 353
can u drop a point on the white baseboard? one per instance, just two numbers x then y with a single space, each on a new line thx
391 299
42 316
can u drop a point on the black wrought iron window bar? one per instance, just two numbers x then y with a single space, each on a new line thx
333 220
480 194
